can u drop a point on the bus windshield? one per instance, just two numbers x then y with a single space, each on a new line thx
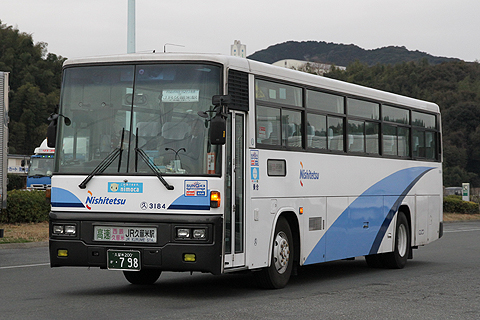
149 109
40 167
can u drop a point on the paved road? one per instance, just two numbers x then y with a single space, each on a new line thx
442 282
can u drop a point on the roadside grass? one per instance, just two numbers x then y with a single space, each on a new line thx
450 217
36 232
24 232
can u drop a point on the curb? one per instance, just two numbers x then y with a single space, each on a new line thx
25 245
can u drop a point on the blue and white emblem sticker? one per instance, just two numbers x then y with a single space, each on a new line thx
195 188
125 187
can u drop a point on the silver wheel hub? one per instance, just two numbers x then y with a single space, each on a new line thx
402 239
281 252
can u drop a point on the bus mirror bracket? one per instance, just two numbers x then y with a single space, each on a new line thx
218 122
52 128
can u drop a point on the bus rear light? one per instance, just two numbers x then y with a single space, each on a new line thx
215 199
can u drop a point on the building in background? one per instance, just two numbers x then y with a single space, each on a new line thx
306 66
238 49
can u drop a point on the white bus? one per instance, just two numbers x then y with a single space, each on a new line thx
209 163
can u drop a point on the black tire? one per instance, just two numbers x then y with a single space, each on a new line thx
142 277
398 258
276 276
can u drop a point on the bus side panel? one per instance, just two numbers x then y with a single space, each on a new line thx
358 226
259 233
421 208
314 222
427 219
434 206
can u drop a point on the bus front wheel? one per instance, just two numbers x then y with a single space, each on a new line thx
142 277
276 276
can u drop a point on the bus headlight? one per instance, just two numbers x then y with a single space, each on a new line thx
191 233
183 233
70 230
64 229
199 233
57 229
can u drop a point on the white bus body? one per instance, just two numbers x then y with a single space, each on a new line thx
339 198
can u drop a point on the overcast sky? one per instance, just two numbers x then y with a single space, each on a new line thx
79 28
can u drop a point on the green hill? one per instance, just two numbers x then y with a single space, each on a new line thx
341 54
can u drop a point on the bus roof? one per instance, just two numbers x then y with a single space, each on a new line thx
265 70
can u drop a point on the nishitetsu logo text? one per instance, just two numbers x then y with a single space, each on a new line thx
103 200
306 174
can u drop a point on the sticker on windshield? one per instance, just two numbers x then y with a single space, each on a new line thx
180 95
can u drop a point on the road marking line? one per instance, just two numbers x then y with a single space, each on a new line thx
26 266
460 230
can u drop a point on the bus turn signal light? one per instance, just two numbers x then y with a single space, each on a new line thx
214 199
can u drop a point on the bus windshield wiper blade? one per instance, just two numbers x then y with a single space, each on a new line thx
102 166
145 158
105 163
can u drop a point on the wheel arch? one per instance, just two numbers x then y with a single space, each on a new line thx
406 210
292 220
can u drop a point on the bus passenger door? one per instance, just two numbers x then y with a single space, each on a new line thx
234 202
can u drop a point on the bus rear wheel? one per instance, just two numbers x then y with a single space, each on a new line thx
398 258
276 276
142 277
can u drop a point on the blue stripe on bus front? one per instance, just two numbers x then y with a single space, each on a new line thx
64 198
191 202
360 228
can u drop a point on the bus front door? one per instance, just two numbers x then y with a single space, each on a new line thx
234 202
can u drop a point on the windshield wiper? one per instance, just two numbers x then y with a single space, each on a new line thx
147 160
149 163
105 163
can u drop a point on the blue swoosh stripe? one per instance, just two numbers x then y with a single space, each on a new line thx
393 210
64 198
347 236
191 203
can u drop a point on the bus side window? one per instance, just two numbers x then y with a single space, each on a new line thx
264 129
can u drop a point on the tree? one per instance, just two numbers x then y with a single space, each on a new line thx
35 78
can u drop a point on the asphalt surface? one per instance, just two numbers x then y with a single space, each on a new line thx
441 282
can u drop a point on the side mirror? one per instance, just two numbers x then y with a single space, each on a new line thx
218 127
218 124
52 130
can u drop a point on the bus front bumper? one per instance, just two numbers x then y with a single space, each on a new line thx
168 253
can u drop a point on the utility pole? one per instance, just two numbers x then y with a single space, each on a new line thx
131 27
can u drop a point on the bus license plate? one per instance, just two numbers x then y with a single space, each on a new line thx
123 260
